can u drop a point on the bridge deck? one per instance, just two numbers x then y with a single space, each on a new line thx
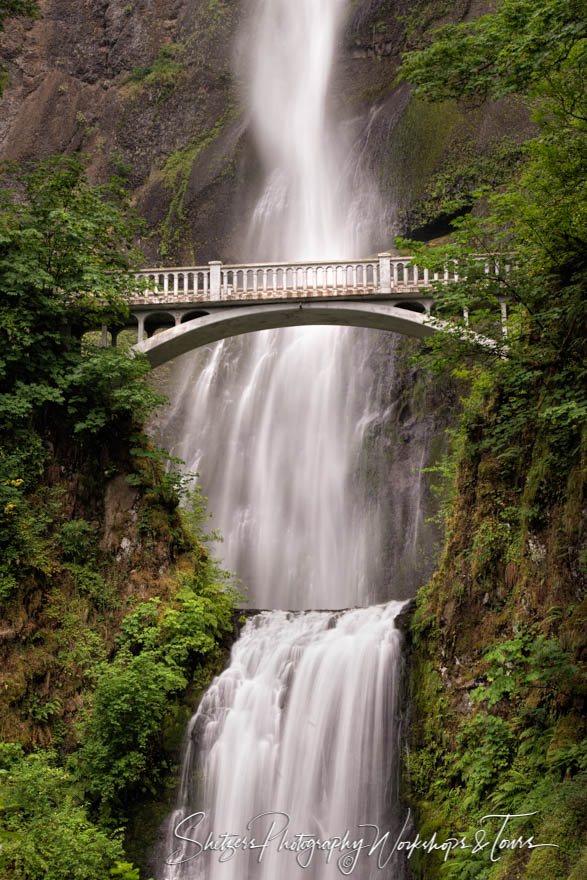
232 297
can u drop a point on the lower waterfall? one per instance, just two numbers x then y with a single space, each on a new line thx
291 765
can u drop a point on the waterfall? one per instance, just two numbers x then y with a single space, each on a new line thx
288 431
303 725
280 424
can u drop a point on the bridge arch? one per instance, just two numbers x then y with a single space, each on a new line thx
227 322
196 313
412 306
160 320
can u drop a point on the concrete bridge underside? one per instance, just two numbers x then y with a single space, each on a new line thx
227 322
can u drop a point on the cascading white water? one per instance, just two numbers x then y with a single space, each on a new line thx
304 722
303 726
303 210
276 423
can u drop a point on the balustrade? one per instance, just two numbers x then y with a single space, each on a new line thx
217 281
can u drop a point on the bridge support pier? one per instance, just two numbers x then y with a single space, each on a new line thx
215 279
504 317
384 273
141 325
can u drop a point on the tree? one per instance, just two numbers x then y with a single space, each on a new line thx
66 249
47 834
534 51
529 47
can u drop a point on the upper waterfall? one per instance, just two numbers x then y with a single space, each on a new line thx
286 427
303 210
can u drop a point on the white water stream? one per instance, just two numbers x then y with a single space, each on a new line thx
304 722
277 423
303 725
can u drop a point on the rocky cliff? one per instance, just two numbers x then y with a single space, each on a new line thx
148 91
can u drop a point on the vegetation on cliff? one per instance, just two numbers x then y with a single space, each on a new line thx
497 679
114 618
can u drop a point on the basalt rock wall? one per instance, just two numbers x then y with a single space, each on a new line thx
147 91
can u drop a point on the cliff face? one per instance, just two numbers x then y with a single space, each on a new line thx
497 696
143 89
147 90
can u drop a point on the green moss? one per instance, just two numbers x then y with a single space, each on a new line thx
425 14
176 174
166 69
417 144
465 172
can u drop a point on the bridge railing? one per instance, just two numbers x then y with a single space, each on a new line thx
174 282
313 279
217 281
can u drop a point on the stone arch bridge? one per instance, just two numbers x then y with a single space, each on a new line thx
198 305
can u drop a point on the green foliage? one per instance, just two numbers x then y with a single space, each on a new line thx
159 650
69 411
66 249
528 660
532 229
90 583
23 524
517 752
510 740
515 49
140 630
74 538
485 746
166 486
13 8
42 711
120 167
45 832
106 384
541 216
125 871
129 704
